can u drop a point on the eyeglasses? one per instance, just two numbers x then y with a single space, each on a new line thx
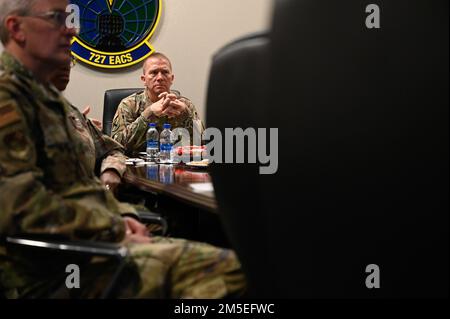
57 18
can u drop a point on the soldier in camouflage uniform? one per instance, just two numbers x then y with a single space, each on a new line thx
156 103
48 186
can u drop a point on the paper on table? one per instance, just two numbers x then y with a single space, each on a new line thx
202 187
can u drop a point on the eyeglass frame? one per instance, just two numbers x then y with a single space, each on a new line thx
53 16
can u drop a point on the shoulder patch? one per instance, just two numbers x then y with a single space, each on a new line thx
17 145
8 115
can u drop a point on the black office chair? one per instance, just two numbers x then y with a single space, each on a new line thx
111 101
363 151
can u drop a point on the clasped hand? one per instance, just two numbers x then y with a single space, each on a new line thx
168 105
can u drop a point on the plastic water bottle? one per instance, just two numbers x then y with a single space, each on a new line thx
152 141
165 141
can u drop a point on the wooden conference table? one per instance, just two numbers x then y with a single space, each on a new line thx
184 196
191 186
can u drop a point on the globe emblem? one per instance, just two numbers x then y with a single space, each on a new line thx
116 25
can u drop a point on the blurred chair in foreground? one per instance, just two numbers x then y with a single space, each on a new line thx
363 150
236 99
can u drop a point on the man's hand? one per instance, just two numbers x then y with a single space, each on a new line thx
135 231
96 122
110 179
168 104
174 108
157 107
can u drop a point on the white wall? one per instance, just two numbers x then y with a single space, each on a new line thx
189 33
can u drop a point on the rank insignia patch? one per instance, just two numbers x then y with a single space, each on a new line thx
115 33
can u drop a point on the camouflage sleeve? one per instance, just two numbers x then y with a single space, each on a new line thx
27 206
108 152
191 121
129 128
115 161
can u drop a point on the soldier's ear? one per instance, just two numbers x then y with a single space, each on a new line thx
15 29
143 78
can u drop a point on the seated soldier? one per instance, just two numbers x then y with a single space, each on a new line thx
156 103
109 154
48 186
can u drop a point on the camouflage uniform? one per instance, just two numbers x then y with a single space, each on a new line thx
48 188
129 126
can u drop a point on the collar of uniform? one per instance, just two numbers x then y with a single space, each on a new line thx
142 97
10 64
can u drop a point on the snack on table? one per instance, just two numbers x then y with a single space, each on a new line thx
192 150
203 163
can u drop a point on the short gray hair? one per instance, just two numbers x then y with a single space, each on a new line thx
8 7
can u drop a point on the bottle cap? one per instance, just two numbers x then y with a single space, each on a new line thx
167 125
152 124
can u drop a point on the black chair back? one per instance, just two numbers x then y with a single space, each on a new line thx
111 102
363 151
241 67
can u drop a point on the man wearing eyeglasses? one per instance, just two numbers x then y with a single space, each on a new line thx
48 186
